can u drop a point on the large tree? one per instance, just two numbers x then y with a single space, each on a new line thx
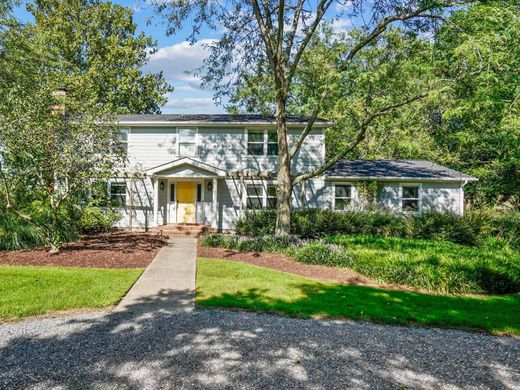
99 55
277 34
52 145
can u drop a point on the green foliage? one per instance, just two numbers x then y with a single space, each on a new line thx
266 243
101 55
319 253
471 229
222 283
97 220
432 265
17 234
29 291
53 145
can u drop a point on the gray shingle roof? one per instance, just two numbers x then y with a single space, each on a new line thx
394 169
214 118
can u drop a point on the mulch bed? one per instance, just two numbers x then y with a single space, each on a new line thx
110 250
284 263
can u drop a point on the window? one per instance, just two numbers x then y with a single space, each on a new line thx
271 196
410 198
118 194
262 143
272 143
255 143
342 196
254 196
123 141
172 192
187 144
259 196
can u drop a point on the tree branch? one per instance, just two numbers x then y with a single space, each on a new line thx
320 11
265 33
294 27
384 23
308 127
360 136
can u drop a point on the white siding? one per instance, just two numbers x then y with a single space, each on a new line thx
221 148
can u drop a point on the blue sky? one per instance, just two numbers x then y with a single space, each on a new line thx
175 58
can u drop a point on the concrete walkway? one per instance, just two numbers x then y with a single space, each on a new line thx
168 284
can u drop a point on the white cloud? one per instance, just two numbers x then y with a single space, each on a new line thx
343 5
176 61
342 25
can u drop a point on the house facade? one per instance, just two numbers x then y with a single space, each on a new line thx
208 169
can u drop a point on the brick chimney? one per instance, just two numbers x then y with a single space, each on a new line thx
59 97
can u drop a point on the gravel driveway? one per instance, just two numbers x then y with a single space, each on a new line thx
219 349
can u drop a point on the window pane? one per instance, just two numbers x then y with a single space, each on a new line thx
172 192
342 204
411 192
343 191
410 204
118 194
271 190
255 136
123 135
255 149
272 136
254 202
254 190
272 149
187 135
271 203
187 149
117 188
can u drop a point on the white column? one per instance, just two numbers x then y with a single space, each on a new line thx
215 205
156 202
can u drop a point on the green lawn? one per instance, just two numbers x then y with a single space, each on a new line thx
223 283
26 291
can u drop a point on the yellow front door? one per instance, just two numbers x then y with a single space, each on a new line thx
186 201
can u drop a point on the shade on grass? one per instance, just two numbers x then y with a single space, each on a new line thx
26 291
223 283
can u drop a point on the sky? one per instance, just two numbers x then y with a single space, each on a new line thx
175 58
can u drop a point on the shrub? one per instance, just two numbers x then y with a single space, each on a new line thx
471 229
266 243
17 234
96 220
322 254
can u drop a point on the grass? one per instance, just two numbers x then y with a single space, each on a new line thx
28 291
433 265
228 284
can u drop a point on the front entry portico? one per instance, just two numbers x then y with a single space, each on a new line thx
185 192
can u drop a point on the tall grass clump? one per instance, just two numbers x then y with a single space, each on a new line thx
17 234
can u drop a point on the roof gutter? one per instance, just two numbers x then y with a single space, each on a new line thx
214 124
404 178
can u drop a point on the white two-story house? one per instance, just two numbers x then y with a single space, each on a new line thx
206 169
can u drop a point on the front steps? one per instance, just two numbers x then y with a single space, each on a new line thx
182 230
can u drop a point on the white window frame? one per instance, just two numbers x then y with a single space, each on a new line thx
115 181
265 142
419 196
353 195
262 194
196 140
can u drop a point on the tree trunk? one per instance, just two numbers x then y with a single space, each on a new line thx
284 192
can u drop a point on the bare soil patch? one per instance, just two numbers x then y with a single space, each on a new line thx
284 263
108 250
